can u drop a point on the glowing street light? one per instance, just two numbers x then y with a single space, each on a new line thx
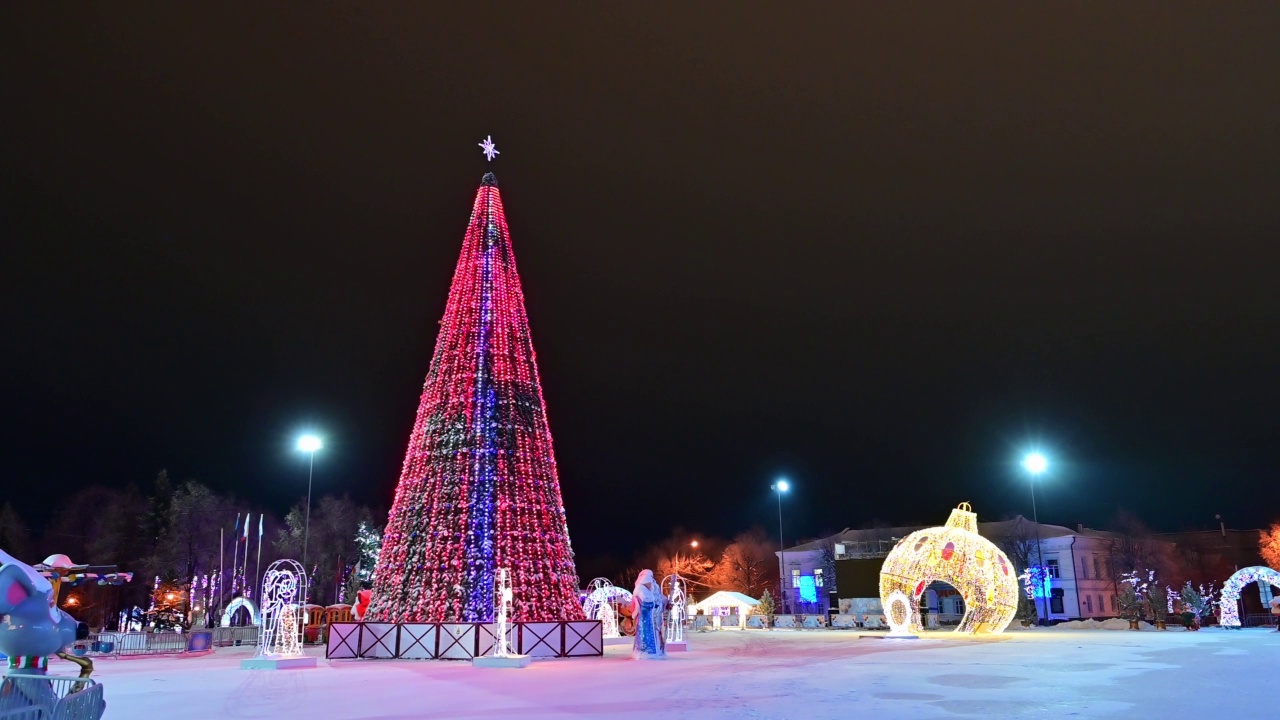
308 444
693 544
779 487
1036 464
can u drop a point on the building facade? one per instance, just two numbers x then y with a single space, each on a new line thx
1076 561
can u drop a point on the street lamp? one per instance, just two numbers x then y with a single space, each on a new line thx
780 487
1036 464
308 444
694 544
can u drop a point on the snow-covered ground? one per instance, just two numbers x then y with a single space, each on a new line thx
732 674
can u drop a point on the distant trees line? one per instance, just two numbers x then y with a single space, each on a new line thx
177 531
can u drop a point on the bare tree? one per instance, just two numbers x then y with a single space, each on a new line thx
1131 547
15 537
1269 545
678 554
331 543
747 565
1018 543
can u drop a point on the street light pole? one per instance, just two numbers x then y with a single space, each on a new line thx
306 528
308 444
1035 464
780 487
1035 519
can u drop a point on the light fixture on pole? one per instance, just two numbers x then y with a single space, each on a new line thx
308 444
778 488
1036 464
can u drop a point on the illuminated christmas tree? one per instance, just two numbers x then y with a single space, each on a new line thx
479 489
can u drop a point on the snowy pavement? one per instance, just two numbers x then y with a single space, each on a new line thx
753 674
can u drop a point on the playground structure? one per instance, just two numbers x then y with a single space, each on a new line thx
319 618
34 629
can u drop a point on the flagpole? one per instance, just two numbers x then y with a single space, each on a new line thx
257 570
222 551
244 568
235 553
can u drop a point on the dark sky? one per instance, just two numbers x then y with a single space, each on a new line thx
876 247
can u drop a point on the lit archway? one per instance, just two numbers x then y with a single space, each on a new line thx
958 556
1231 591
241 602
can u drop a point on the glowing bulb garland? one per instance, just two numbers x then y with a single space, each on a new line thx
1231 591
957 555
479 488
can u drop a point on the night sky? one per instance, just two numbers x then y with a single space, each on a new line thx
878 248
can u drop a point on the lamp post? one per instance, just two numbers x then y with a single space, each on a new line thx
308 444
778 488
1035 463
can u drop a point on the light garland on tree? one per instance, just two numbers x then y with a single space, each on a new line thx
369 547
479 487
1235 584
957 555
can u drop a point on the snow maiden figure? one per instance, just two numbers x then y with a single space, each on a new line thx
647 603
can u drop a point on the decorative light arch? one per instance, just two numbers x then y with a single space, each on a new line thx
241 602
1231 591
957 555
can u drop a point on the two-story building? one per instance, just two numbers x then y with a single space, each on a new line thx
1076 560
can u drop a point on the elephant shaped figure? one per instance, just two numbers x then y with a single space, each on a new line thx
31 627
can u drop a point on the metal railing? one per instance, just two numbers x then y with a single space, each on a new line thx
1259 620
240 635
121 644
50 697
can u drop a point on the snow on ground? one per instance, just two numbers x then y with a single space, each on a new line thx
753 674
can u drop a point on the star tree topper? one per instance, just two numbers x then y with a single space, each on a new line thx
489 148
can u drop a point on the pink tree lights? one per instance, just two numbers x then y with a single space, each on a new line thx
479 489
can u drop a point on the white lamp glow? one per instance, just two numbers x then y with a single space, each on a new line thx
1035 463
310 443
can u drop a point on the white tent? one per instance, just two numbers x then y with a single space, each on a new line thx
728 599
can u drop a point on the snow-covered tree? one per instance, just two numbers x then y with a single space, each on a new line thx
369 546
766 604
1200 601
1131 595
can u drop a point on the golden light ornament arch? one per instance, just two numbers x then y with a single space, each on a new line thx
957 555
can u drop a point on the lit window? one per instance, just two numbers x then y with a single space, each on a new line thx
817 577
795 578
808 591
840 550
1054 571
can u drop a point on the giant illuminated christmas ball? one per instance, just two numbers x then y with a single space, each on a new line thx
957 555
479 491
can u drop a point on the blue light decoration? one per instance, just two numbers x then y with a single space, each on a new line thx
808 589
1037 582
